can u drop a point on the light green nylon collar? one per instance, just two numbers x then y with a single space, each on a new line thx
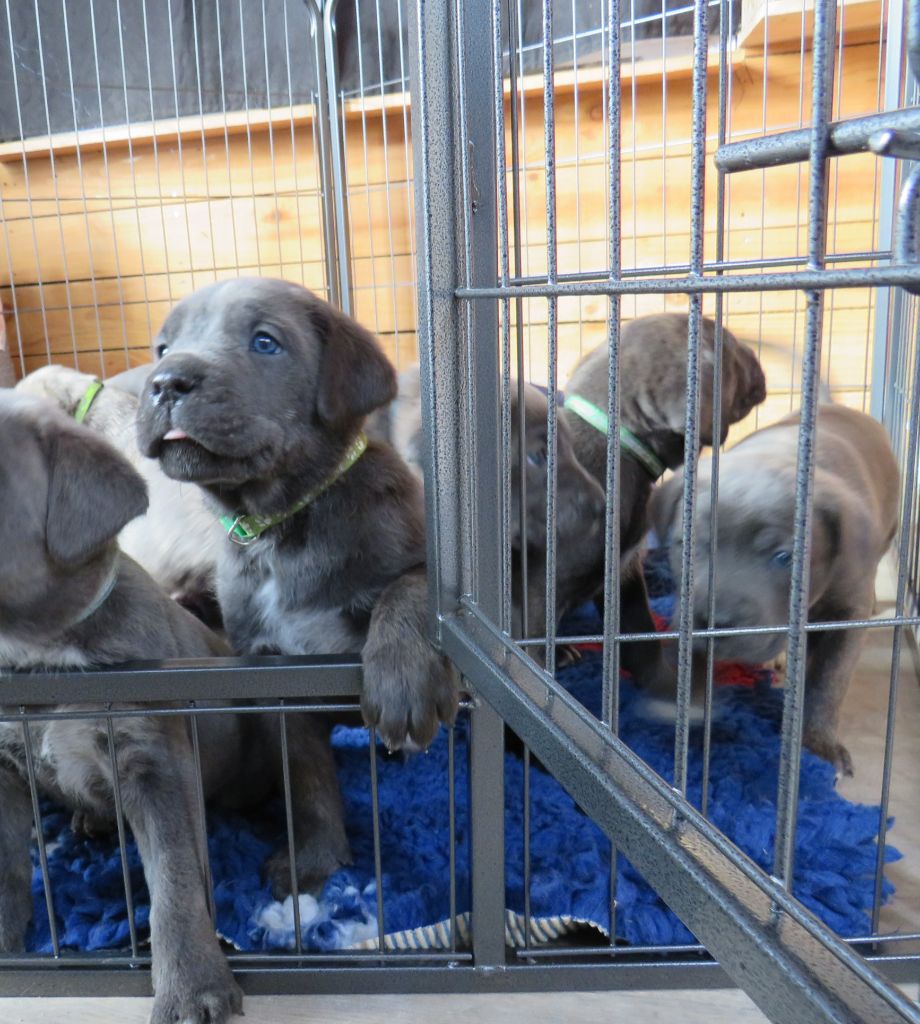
87 400
597 418
243 529
102 595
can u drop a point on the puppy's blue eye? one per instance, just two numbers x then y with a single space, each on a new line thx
537 459
264 344
782 558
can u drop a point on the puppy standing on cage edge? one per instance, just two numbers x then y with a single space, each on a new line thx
260 396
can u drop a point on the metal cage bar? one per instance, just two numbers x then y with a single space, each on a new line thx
564 737
467 289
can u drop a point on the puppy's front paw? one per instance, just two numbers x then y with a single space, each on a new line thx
91 824
828 748
316 860
15 914
198 989
566 656
659 679
408 691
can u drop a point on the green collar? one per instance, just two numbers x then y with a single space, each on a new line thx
243 529
597 418
102 595
87 400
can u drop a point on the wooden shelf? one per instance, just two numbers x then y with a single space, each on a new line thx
645 62
780 23
189 127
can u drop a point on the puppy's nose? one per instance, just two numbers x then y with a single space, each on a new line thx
171 385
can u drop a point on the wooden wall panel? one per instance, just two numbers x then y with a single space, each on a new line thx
97 243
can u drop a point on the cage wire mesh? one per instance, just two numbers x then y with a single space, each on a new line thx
150 149
568 268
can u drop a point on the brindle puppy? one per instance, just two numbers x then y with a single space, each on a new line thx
260 397
579 499
653 373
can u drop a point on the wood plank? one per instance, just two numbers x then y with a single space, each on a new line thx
110 312
137 290
780 24
848 340
275 162
146 247
660 122
401 349
659 199
128 312
189 126
135 171
106 365
655 204
177 237
648 63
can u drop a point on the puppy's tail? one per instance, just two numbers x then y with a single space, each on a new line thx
794 356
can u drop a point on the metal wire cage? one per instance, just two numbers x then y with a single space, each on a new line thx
494 188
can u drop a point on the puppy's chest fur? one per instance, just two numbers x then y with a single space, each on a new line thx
286 602
20 655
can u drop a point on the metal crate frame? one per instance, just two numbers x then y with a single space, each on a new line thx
763 939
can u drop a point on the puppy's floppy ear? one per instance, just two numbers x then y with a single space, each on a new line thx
847 526
92 493
355 376
663 505
750 383
828 515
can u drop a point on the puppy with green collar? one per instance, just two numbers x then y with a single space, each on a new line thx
177 539
70 600
653 411
259 397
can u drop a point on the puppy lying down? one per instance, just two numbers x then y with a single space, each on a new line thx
177 540
854 521
259 397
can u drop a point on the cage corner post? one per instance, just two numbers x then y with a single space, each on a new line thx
336 230
460 373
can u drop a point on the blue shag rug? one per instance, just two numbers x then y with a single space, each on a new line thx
835 842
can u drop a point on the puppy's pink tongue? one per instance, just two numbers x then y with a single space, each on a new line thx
175 435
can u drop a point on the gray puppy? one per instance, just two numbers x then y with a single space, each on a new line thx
855 518
260 396
132 381
177 540
579 499
653 373
69 600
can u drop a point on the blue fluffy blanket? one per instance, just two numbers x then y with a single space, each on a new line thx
835 854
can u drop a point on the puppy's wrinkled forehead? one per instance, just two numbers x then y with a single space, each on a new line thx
227 314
